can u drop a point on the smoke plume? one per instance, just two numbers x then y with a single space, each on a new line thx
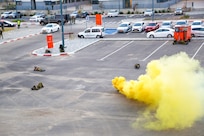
173 90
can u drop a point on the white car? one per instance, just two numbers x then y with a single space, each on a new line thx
197 23
74 14
36 18
181 23
5 15
148 12
50 28
124 27
197 31
167 24
8 23
92 32
138 27
161 32
113 13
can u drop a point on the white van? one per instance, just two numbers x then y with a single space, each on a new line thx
92 32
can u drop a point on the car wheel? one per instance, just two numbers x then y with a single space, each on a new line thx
81 36
151 36
98 36
42 23
169 36
192 35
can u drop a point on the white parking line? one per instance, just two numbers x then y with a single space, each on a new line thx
102 59
198 50
154 51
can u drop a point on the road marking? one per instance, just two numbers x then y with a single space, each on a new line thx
154 51
198 50
102 59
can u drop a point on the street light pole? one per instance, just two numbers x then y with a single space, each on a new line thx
62 23
152 10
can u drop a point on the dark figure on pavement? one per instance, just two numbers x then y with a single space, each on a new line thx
1 33
2 25
19 23
38 69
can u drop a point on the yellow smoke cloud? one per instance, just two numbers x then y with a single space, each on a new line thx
173 89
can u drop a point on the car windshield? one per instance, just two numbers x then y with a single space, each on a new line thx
165 24
181 23
6 13
137 24
49 25
148 10
123 25
178 9
196 23
151 24
112 11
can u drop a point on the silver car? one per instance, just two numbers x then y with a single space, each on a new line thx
197 31
138 27
124 27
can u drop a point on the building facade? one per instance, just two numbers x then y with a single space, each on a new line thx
48 4
122 4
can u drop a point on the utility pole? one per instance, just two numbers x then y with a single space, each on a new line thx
62 23
152 10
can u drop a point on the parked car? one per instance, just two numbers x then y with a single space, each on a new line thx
178 11
113 13
148 12
36 18
151 26
124 27
197 31
50 28
40 14
5 14
161 32
8 23
92 32
138 27
167 24
74 14
83 14
15 14
197 23
181 22
52 19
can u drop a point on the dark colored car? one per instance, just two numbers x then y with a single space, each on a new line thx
84 14
151 26
54 19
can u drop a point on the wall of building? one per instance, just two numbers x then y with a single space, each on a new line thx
41 4
120 4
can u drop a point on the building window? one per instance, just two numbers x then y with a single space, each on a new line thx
159 1
18 2
78 0
95 2
73 1
48 3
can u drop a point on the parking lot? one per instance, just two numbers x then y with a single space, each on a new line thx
78 97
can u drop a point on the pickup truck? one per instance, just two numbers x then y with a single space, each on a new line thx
54 19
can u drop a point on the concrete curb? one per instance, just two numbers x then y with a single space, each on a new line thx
50 54
20 38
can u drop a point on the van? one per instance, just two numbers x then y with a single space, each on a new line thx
92 32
